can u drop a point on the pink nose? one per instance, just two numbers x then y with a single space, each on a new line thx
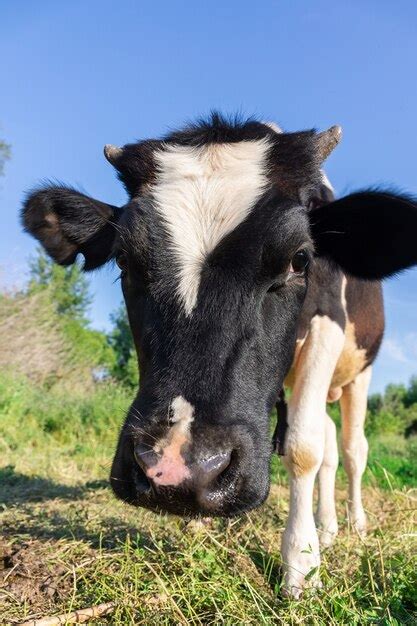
169 468
168 471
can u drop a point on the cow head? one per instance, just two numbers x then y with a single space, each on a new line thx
214 246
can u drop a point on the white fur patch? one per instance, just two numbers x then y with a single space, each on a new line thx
182 416
183 413
202 194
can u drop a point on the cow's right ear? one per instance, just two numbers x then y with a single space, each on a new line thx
369 234
68 223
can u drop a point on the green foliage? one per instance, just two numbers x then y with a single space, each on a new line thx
81 425
68 285
392 461
67 290
120 339
89 346
411 395
394 410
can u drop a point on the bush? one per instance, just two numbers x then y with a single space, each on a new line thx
81 425
125 367
391 460
49 347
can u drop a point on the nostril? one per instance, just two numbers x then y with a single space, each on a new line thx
213 466
142 484
145 456
215 480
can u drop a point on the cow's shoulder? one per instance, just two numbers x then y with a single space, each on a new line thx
357 307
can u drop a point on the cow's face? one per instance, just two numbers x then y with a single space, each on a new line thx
214 248
214 256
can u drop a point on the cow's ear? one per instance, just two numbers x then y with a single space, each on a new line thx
370 234
68 223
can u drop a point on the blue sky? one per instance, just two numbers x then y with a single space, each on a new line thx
80 74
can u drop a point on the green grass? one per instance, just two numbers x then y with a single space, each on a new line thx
55 430
66 543
392 460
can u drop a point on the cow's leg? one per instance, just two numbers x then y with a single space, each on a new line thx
326 518
354 444
304 449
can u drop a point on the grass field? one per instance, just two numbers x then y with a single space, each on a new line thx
66 543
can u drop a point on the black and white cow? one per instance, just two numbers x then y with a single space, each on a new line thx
239 272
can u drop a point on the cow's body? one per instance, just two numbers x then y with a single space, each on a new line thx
356 306
234 257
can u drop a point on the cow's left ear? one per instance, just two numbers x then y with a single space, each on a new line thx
370 234
68 223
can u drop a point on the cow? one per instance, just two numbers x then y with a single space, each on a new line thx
241 273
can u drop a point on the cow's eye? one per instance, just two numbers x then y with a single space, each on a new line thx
121 261
299 262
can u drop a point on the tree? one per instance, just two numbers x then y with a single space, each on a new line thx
394 397
375 403
120 339
411 395
394 410
68 285
67 289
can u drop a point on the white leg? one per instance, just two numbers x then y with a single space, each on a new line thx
304 450
326 517
354 444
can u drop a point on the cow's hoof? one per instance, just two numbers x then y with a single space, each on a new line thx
327 537
295 586
360 528
301 560
358 523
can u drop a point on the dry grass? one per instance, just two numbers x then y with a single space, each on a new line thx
31 342
46 347
68 546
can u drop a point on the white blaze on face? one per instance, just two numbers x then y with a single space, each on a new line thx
171 468
182 414
202 194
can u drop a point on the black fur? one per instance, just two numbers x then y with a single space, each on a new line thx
68 223
278 438
219 129
370 234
